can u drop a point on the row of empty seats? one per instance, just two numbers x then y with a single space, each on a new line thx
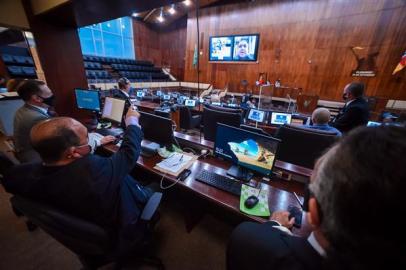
121 67
97 74
143 75
110 60
19 71
17 60
93 65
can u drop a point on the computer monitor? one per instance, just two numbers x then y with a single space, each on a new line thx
373 124
157 129
167 97
278 118
201 100
256 115
87 99
216 103
159 93
245 149
113 109
140 94
190 102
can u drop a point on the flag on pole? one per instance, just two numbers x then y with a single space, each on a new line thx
195 57
401 64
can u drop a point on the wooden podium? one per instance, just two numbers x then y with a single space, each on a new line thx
306 104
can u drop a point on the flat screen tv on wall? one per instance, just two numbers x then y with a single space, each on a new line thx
235 48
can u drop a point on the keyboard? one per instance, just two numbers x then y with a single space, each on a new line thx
109 131
220 181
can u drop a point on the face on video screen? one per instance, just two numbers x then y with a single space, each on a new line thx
244 48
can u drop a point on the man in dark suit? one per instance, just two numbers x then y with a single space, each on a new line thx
348 195
98 189
38 98
38 106
355 111
124 87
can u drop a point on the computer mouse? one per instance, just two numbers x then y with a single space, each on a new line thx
251 201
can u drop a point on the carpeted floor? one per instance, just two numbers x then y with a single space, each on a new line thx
203 248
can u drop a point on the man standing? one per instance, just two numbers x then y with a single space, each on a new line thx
355 111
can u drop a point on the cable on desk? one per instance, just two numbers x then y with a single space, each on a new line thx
169 186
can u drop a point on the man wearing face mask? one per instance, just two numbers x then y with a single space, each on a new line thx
38 106
97 189
38 99
355 111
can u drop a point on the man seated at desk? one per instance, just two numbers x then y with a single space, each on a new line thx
354 185
320 119
38 101
98 189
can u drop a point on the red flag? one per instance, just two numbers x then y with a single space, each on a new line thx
401 64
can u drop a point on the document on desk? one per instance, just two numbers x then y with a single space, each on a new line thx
175 163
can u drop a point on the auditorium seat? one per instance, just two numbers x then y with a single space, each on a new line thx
15 70
29 71
8 59
303 146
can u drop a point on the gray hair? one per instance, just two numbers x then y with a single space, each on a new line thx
358 182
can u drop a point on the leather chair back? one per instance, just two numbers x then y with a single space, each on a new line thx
185 117
303 146
212 117
80 236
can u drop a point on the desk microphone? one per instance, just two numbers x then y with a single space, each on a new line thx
290 100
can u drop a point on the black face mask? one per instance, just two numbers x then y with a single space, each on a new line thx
49 100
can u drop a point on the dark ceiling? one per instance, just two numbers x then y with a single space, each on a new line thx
79 13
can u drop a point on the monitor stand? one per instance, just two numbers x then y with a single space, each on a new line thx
240 173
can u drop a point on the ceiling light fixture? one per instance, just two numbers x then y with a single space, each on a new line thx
135 14
172 9
187 2
161 16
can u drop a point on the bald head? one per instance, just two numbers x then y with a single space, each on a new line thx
321 116
53 137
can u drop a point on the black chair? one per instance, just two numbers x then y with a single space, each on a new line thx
187 120
94 245
302 146
254 129
212 117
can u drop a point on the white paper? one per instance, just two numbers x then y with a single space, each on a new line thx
174 163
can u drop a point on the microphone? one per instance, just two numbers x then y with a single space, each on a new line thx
290 100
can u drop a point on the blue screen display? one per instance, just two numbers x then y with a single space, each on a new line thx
87 99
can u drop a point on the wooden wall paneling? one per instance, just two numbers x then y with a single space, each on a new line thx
292 33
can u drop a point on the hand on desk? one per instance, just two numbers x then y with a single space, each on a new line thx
282 217
107 139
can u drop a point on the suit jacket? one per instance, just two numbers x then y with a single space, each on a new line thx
97 189
352 115
25 118
261 246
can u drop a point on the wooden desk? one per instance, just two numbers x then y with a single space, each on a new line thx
199 142
280 196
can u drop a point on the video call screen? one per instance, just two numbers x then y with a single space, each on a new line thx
240 48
